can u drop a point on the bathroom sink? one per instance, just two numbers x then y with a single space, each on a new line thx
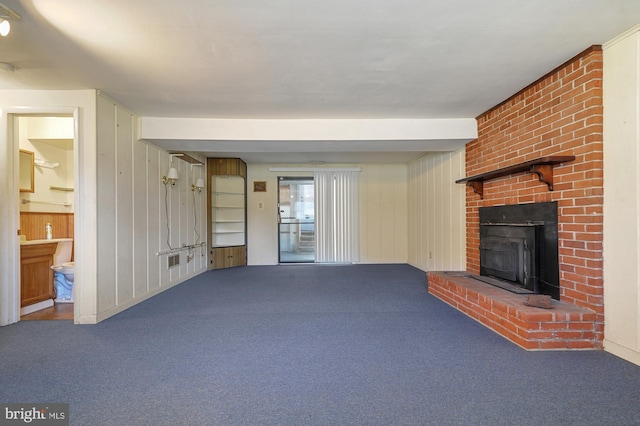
33 242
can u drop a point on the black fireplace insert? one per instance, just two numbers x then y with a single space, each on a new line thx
519 246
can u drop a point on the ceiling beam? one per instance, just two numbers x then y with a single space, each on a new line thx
194 129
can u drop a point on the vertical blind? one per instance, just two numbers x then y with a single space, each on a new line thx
337 217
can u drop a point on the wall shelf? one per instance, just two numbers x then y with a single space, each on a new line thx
185 157
60 188
543 167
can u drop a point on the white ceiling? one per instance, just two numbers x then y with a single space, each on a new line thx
294 59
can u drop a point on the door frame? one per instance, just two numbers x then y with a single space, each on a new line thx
10 214
279 221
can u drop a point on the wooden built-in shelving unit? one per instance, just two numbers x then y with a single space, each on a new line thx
227 213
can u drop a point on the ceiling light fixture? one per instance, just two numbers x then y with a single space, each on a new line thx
5 28
6 15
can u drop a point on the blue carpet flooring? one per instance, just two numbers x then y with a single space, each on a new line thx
307 345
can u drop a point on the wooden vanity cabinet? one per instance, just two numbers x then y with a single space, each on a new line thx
36 275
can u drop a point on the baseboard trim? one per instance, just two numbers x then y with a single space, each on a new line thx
36 307
622 352
101 316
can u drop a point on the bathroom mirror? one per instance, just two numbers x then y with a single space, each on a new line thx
26 171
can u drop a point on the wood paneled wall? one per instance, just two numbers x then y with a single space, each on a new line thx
383 213
437 212
32 225
621 214
140 217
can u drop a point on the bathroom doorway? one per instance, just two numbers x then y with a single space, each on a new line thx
296 223
47 175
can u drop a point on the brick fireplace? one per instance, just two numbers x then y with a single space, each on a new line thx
558 116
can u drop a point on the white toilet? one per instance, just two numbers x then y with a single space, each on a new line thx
63 271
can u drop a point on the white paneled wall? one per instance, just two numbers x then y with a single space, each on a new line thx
139 217
621 85
106 201
383 213
437 212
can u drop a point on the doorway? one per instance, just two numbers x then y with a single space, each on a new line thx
46 214
296 220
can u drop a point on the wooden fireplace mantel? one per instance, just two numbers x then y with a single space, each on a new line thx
542 166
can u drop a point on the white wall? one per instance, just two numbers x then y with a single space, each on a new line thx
51 140
135 223
383 213
437 212
621 87
262 224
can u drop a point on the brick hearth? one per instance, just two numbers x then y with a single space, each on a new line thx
565 326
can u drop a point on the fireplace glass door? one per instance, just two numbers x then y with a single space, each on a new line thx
503 258
519 244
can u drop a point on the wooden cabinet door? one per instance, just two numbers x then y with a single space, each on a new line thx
219 258
238 256
228 257
36 275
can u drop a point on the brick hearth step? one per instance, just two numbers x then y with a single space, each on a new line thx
564 326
